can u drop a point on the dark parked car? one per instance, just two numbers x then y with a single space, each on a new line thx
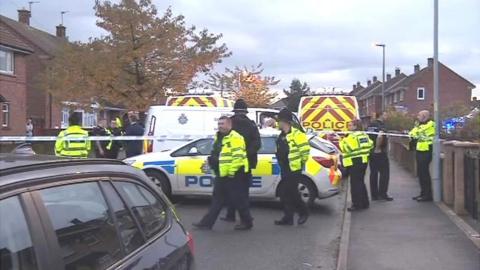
85 214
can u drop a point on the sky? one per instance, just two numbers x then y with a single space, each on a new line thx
325 43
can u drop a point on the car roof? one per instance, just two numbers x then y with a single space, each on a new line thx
17 169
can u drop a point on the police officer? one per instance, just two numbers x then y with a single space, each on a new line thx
102 148
356 147
379 164
249 130
423 135
230 164
133 148
292 154
73 142
116 131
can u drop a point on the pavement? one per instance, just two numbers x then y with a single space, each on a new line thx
310 246
407 235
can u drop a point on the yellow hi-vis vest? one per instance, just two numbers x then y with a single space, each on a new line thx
424 134
73 142
299 149
355 145
233 155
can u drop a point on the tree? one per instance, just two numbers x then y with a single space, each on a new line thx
142 58
245 83
296 91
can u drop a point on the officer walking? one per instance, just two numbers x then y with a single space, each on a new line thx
292 154
73 142
249 131
423 134
356 147
379 164
230 164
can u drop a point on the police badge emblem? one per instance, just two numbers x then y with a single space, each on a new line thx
182 119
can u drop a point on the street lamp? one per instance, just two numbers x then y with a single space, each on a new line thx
383 75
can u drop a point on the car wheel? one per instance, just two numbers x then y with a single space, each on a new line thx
161 181
307 190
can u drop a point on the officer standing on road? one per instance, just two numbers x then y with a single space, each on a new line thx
249 131
230 164
356 147
102 147
423 135
379 164
133 148
116 144
73 142
292 154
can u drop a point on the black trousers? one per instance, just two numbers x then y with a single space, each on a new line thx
290 196
224 191
423 164
245 190
357 180
379 175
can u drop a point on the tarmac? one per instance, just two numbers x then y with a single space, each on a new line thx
405 234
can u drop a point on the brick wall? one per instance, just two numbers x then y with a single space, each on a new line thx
13 89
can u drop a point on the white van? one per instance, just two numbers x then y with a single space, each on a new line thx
176 125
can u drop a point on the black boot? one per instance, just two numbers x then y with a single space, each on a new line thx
284 222
243 227
302 219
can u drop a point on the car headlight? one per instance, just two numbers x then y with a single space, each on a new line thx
129 161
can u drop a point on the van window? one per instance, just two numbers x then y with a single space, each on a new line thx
85 232
16 248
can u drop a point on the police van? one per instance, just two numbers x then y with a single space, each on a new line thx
175 125
181 171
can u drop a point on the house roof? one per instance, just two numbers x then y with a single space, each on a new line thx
367 89
8 39
388 84
356 90
279 103
45 41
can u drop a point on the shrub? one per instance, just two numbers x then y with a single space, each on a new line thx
399 121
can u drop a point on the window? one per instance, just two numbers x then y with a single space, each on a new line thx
201 147
5 114
85 231
149 211
129 232
396 96
420 93
89 119
65 115
402 93
6 62
16 249
269 146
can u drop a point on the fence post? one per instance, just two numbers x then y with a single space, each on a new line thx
459 177
448 172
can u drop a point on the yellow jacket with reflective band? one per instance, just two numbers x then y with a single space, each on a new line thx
299 149
72 142
233 155
424 134
355 145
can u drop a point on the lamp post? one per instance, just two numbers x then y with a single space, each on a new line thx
383 74
437 193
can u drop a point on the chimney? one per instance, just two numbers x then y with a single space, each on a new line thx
358 84
397 72
416 68
430 62
389 76
61 31
374 79
354 86
24 16
369 83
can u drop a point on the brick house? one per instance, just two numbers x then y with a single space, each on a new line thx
48 116
13 82
414 92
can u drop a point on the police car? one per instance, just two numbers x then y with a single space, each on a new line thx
180 172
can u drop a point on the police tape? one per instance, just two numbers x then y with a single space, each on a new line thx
172 138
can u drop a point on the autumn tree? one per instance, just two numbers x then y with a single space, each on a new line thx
142 57
295 92
247 83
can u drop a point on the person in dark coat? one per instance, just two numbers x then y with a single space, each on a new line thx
249 130
116 144
134 148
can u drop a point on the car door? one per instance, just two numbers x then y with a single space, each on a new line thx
191 179
267 173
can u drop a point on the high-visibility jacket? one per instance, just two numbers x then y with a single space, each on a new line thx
298 149
424 134
355 145
73 142
233 155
